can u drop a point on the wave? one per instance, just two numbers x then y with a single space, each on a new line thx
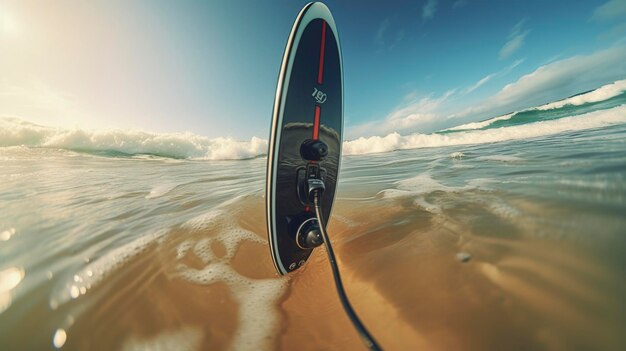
15 132
601 94
548 119
538 113
481 124
395 141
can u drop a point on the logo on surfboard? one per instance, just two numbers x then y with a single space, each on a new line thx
319 96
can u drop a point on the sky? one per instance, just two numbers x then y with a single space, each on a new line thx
211 67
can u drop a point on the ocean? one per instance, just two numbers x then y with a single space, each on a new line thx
509 233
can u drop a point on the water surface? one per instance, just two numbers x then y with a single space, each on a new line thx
506 243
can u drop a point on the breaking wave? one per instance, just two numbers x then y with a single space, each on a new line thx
554 110
598 108
15 132
190 146
395 141
601 94
481 124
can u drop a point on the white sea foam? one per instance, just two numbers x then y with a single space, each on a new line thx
395 141
160 190
500 158
256 298
603 93
504 210
420 188
422 184
187 338
15 132
416 188
457 155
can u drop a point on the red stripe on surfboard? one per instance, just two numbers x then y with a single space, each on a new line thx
320 72
320 80
316 123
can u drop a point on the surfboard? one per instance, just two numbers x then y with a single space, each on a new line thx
305 135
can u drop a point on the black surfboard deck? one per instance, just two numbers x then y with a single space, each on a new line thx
308 106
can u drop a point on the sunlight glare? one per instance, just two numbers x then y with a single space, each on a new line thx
8 25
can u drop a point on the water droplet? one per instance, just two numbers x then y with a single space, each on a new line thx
10 278
74 292
5 300
463 256
7 234
59 338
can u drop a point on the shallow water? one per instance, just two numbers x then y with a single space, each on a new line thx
142 252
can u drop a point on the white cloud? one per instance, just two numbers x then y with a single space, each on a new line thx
616 31
611 10
458 4
384 36
479 83
417 114
488 77
429 9
422 112
513 65
515 40
379 37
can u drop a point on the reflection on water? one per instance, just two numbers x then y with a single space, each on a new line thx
9 279
58 340
513 245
